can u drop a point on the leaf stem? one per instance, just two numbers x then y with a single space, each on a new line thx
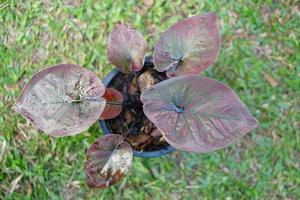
136 79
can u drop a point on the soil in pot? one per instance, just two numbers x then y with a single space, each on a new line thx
139 131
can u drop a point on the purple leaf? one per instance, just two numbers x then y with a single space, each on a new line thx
108 160
189 46
62 100
111 110
196 113
126 48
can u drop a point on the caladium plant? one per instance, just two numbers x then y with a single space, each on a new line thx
193 113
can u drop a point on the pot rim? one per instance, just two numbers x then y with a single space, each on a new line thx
144 154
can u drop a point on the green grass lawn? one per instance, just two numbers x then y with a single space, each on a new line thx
259 59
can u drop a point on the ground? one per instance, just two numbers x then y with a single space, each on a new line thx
259 59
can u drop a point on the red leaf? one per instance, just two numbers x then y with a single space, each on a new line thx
62 100
189 46
112 111
126 48
196 113
108 160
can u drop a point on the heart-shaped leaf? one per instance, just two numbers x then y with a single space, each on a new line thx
126 48
108 160
62 100
196 113
112 110
189 46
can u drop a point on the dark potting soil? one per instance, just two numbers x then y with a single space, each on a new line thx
132 123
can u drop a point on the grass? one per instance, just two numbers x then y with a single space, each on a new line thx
259 59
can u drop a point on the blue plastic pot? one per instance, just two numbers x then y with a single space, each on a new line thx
146 154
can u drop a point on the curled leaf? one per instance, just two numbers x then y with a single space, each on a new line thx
126 48
112 110
189 46
145 80
108 160
196 113
62 100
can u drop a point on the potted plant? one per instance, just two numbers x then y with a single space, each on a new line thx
140 127
149 107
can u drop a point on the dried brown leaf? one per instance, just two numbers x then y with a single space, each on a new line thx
272 81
